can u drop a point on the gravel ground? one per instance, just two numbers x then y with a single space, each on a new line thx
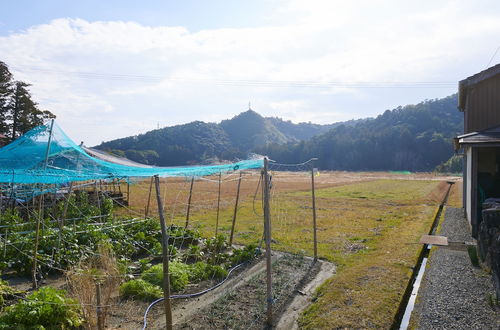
454 294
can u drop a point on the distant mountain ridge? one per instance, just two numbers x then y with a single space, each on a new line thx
414 137
198 141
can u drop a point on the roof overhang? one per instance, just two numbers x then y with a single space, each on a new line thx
463 85
487 138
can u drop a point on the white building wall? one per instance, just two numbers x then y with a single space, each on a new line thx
468 192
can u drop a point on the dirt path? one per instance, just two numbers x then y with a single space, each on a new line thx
291 314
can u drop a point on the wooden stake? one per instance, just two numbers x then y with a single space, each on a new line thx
189 203
164 235
315 238
97 196
47 151
267 232
5 238
35 249
146 213
66 203
100 323
235 211
128 194
218 207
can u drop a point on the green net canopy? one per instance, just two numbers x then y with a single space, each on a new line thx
47 155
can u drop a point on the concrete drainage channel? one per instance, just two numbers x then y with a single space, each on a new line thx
402 319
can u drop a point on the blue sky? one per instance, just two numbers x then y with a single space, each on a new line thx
195 15
110 69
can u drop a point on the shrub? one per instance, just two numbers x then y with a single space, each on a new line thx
46 307
140 289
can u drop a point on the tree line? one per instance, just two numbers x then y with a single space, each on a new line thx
18 111
415 138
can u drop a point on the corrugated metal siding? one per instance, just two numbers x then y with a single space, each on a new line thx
483 105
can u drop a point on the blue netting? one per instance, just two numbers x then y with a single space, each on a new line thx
23 162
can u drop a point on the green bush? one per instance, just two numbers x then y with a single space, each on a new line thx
140 289
178 274
45 308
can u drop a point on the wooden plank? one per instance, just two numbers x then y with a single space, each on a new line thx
434 240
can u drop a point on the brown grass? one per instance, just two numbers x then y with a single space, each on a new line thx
82 281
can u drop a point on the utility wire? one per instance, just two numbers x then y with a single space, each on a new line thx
247 82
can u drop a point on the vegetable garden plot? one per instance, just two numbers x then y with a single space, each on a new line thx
118 258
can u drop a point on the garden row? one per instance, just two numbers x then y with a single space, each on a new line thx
135 247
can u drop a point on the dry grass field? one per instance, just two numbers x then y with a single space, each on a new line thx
369 225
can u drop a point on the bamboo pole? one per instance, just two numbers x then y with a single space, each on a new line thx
218 207
146 212
97 196
315 238
164 235
128 193
267 232
188 211
47 151
235 210
100 323
5 238
66 203
40 206
35 248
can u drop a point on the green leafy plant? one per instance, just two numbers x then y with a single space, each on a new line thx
5 292
178 274
195 252
46 307
202 271
216 244
245 254
140 289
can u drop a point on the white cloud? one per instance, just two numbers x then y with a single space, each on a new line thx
127 76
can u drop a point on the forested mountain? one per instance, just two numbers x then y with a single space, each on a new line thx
415 137
248 130
198 142
177 145
305 131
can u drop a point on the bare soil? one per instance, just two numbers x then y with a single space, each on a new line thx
241 302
